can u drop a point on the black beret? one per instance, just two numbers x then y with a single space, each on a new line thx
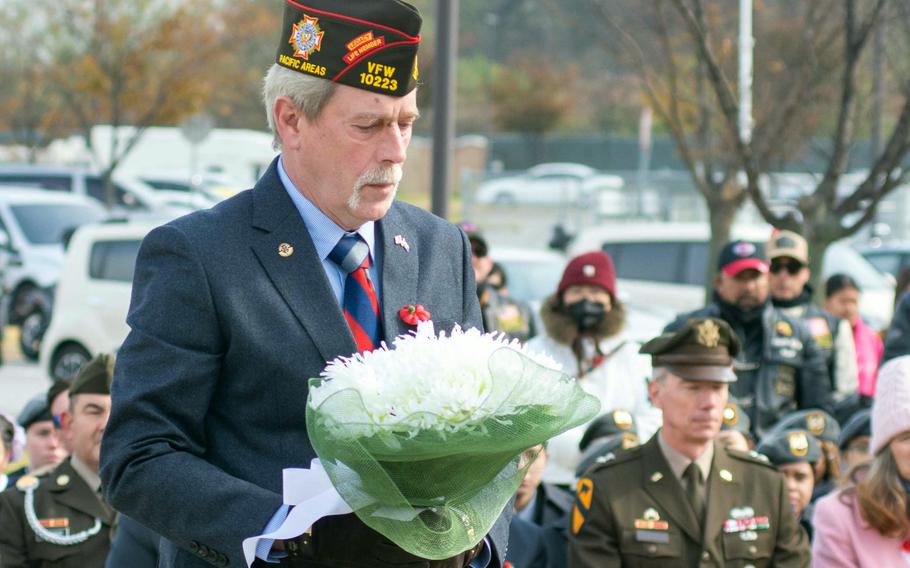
817 422
790 446
36 410
860 424
94 377
365 44
603 450
701 350
618 421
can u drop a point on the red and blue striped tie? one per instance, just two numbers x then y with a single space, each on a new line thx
361 308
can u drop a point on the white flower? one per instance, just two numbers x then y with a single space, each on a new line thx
430 382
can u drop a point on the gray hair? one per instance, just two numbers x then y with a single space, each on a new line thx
310 94
659 374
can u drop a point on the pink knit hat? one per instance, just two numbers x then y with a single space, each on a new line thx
891 408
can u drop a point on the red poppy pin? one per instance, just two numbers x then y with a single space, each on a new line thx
413 315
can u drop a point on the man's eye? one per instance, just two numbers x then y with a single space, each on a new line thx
365 127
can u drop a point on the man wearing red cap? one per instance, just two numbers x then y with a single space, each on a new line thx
583 323
781 367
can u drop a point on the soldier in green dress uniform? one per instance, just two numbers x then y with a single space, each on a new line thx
681 499
59 519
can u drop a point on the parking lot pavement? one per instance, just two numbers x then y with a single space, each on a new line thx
20 380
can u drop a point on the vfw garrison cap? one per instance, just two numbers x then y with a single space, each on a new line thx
366 44
95 377
701 350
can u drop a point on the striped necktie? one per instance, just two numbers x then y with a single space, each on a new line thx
360 305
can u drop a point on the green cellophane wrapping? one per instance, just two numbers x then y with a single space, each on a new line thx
437 492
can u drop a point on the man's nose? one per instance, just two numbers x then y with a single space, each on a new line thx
394 145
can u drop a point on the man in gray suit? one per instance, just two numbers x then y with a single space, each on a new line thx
235 307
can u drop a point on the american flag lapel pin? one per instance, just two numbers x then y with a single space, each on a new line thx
402 242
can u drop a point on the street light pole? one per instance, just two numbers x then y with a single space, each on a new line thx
444 103
746 44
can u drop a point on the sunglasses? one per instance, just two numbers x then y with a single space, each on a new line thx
790 267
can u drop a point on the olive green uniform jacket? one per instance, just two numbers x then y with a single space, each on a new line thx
64 504
632 511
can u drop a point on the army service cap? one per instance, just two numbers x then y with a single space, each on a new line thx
614 422
702 350
365 44
95 377
36 410
790 446
819 423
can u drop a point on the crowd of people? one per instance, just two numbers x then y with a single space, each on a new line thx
759 430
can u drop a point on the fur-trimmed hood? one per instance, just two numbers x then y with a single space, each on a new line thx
560 326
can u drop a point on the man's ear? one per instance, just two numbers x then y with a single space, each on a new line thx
653 392
66 421
288 122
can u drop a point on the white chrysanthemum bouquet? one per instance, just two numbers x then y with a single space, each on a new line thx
423 440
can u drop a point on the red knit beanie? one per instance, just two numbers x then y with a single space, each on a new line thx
591 268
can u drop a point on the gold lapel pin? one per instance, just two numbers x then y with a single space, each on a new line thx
726 475
285 250
656 476
63 480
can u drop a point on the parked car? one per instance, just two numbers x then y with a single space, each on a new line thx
665 264
130 195
93 296
553 184
33 226
888 258
533 275
212 186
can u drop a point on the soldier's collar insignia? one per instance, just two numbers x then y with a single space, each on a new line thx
629 440
306 37
63 480
726 475
799 444
707 333
656 476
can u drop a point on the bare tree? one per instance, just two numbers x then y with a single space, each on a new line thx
684 66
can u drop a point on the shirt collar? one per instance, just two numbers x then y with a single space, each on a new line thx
678 462
323 230
85 472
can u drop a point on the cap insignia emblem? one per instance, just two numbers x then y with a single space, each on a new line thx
588 270
306 37
815 423
708 334
799 444
622 419
744 249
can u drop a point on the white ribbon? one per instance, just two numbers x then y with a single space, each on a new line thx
311 493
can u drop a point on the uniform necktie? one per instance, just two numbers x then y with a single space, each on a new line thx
694 483
359 303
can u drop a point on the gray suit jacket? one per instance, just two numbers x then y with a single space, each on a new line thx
210 386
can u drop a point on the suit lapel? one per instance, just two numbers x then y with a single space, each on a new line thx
725 492
666 490
399 272
299 277
76 494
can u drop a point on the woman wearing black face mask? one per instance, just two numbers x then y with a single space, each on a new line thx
583 322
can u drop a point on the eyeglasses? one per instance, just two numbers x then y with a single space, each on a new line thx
790 267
